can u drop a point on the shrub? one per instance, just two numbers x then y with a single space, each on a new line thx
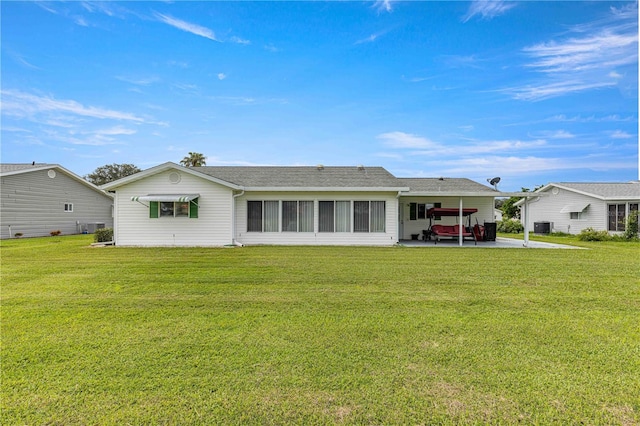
510 226
631 231
55 233
590 234
18 234
103 235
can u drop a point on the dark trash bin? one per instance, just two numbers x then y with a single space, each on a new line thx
490 229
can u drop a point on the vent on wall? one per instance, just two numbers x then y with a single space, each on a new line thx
174 177
51 173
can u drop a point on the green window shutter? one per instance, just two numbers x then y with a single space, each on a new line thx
193 209
153 209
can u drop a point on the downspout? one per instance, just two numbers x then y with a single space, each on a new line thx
233 219
460 224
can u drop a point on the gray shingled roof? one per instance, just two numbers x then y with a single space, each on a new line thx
431 185
10 168
610 190
304 177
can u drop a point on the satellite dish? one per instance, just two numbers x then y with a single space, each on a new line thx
494 182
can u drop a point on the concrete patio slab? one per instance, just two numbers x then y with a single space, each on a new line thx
500 242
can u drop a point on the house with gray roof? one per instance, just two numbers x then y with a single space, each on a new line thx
37 198
571 207
170 205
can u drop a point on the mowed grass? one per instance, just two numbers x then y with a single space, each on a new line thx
319 335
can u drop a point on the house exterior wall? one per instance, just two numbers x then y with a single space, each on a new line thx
389 237
33 203
547 209
485 206
212 227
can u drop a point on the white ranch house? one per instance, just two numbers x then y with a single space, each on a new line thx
170 205
571 207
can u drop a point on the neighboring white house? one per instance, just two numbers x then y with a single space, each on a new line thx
170 205
571 207
36 199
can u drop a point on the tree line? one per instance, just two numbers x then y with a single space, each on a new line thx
110 172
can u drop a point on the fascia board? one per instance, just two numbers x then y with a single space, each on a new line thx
451 194
321 189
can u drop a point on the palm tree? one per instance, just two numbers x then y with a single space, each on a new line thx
194 159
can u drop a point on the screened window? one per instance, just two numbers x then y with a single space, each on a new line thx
68 207
326 215
305 216
369 216
575 215
378 216
334 216
254 216
271 216
268 216
289 216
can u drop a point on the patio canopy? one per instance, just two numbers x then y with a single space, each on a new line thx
177 198
442 211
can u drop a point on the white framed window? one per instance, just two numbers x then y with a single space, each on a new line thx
68 207
575 215
187 209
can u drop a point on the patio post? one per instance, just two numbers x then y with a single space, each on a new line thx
526 221
460 230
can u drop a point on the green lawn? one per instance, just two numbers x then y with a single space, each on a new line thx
311 335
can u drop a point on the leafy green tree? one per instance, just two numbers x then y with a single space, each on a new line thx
111 172
194 159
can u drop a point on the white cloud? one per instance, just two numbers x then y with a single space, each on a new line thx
586 60
187 26
619 134
221 76
557 134
239 40
487 9
383 5
405 140
551 90
24 104
142 81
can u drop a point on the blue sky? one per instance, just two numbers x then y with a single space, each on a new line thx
533 92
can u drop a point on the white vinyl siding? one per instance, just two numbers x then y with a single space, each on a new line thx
213 226
597 215
33 204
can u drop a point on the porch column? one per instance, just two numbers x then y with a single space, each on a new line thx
461 225
525 214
